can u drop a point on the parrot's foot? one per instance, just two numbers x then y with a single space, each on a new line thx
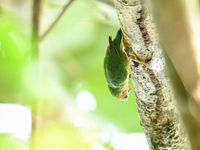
137 61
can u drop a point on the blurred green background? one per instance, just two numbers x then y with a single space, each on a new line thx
66 88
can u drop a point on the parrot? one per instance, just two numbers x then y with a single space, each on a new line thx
117 68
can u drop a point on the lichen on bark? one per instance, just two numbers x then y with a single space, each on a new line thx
155 103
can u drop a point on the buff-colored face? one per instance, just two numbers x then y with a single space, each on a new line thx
123 95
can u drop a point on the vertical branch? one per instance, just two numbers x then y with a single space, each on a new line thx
35 26
152 86
36 7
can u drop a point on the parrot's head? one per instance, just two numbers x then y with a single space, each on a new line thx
120 93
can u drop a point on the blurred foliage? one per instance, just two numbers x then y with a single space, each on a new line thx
59 136
108 146
13 52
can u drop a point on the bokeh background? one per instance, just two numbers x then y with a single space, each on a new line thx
61 101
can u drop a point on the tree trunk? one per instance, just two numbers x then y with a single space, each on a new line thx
152 87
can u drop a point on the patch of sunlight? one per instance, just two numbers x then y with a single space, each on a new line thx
15 119
197 44
86 101
109 130
12 36
129 141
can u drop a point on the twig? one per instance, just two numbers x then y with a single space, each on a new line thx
56 20
36 7
35 24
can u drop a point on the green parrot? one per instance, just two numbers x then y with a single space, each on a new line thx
117 68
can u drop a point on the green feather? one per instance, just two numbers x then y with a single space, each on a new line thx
117 68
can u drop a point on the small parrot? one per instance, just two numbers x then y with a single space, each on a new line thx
117 68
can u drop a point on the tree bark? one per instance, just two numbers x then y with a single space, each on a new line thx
175 35
152 87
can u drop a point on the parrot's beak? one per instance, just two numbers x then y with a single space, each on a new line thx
125 98
129 90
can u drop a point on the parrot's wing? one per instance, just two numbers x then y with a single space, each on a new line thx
115 71
112 46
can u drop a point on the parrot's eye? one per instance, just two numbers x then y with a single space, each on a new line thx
125 97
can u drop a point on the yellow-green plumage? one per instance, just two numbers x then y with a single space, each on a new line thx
117 68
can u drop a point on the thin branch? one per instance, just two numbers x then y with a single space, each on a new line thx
36 7
56 20
35 24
